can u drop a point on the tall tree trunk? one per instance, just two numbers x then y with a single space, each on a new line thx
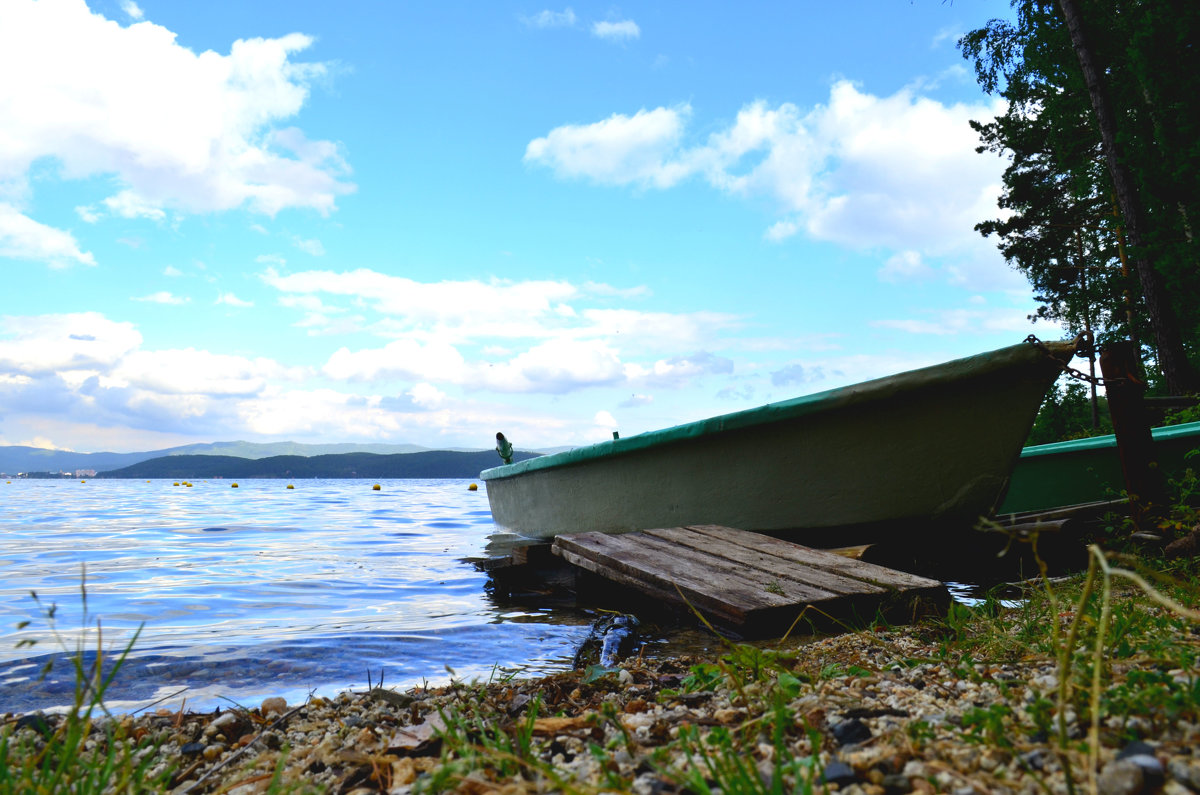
1181 378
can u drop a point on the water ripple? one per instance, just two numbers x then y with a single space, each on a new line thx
252 591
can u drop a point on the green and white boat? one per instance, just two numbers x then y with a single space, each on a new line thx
1082 471
931 448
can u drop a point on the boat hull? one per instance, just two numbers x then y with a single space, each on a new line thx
1082 471
932 446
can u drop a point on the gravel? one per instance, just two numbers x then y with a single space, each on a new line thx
905 722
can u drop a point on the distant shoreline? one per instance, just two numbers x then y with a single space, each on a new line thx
426 464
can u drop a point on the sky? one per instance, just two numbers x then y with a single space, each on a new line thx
428 222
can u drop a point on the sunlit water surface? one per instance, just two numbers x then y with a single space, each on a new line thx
256 591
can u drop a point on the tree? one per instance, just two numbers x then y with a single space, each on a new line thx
1066 414
1172 357
1065 228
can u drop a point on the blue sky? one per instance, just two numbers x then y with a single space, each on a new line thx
426 222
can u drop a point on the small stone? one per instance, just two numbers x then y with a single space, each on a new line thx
1152 769
896 784
36 721
838 772
1185 771
211 752
1035 759
275 705
191 749
392 697
1136 748
851 731
1121 777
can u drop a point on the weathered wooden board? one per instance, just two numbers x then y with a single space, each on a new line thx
851 568
750 582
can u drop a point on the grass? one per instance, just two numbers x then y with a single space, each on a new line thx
1121 638
85 749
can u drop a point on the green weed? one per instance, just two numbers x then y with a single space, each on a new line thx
85 749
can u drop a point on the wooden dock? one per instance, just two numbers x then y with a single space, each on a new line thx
753 584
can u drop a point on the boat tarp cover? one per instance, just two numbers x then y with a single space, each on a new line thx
839 398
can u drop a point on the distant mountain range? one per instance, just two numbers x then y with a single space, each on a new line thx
16 459
425 464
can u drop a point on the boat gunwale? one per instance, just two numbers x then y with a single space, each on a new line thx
1108 441
909 381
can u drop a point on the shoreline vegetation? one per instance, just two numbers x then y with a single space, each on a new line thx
1085 684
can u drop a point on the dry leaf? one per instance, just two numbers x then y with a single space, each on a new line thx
556 725
410 738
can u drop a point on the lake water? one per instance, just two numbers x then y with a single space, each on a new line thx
257 591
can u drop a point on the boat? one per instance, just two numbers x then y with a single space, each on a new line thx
1087 471
931 448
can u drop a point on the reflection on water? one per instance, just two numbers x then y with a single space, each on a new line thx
259 590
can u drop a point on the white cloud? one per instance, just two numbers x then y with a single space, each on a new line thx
781 230
195 372
23 238
271 259
87 378
172 128
172 271
131 9
427 396
399 359
88 214
605 420
796 373
617 31
558 366
621 150
45 344
450 332
312 247
551 19
636 400
897 172
905 266
42 443
679 371
161 297
128 204
954 322
448 310
229 299
595 288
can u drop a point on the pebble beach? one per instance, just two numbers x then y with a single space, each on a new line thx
871 712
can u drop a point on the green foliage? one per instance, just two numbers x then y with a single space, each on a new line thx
1059 223
1066 413
988 724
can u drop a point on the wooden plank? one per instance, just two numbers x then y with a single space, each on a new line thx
633 553
778 569
719 572
621 565
850 567
668 596
746 580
